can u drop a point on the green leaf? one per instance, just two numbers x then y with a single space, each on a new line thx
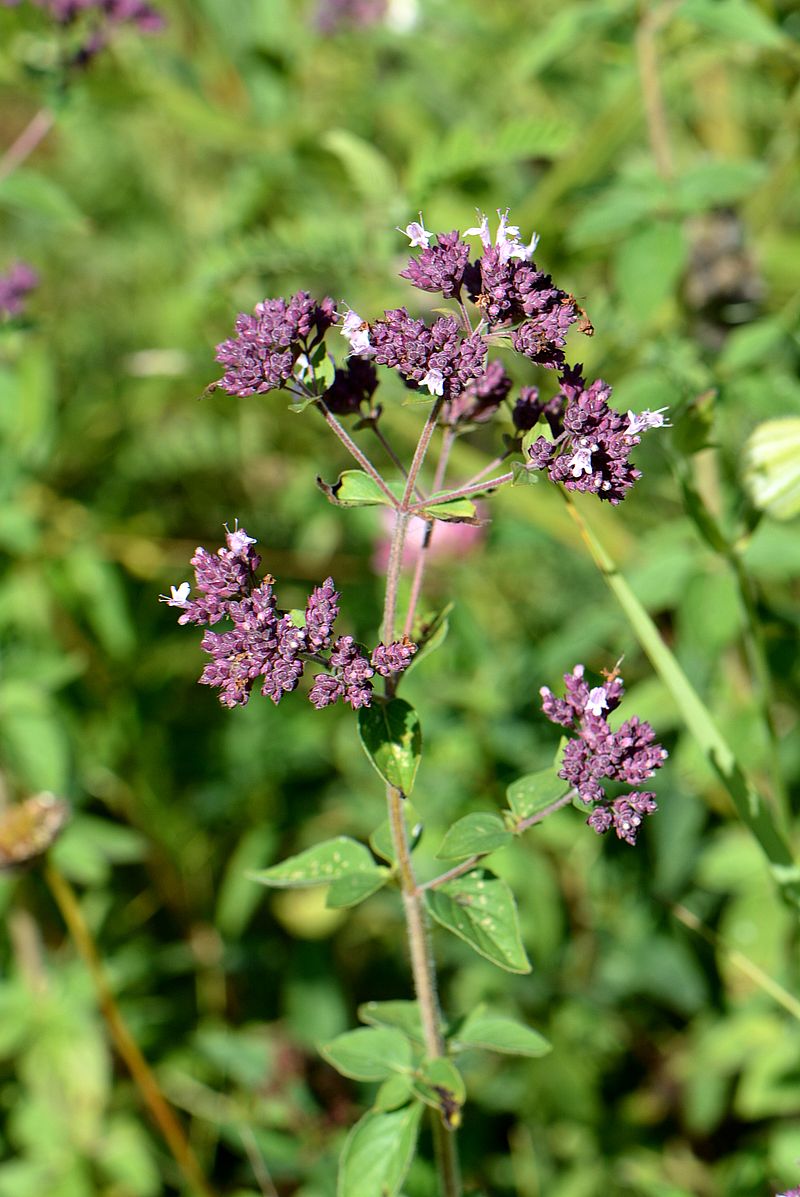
319 865
480 909
523 474
498 1033
772 467
377 1153
355 887
739 20
370 172
391 736
431 636
456 511
535 792
369 1053
474 834
395 1091
381 839
647 267
439 1084
403 1015
354 488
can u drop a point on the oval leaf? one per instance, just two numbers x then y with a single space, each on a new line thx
369 1053
498 1033
480 909
395 1091
355 887
403 1015
377 1153
354 488
319 865
473 835
391 736
535 792
456 511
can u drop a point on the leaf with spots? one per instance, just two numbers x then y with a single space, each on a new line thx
480 909
320 865
391 736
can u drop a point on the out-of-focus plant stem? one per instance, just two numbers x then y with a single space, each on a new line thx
23 146
143 1076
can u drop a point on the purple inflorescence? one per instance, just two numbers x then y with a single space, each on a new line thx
335 14
480 399
441 358
15 286
440 267
629 755
262 355
592 441
270 646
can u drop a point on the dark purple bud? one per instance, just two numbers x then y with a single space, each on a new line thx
440 268
393 658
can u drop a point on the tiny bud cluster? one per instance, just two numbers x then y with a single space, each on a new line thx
629 755
267 645
262 355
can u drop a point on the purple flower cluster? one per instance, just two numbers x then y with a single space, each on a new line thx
15 285
335 14
107 14
441 358
592 441
440 267
270 645
629 755
262 355
481 398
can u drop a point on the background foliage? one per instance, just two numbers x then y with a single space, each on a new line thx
242 154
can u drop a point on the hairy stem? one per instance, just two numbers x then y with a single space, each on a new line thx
354 451
422 559
463 492
423 968
143 1076
401 524
34 132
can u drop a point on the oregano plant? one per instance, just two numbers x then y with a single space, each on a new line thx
498 301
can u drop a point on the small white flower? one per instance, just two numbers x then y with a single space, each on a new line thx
178 595
417 234
356 331
581 461
238 540
642 420
482 230
434 381
597 702
525 252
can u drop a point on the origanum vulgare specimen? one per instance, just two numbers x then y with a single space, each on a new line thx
501 303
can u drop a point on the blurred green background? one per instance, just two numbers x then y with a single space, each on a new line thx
240 154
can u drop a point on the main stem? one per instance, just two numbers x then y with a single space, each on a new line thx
422 966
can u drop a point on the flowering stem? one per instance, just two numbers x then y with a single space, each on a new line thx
463 492
394 458
355 452
35 131
401 523
422 560
423 968
487 469
523 825
160 1109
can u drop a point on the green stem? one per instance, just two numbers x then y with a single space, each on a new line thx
463 492
354 451
422 559
34 132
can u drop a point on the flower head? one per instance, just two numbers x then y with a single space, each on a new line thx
440 267
439 357
596 753
262 355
